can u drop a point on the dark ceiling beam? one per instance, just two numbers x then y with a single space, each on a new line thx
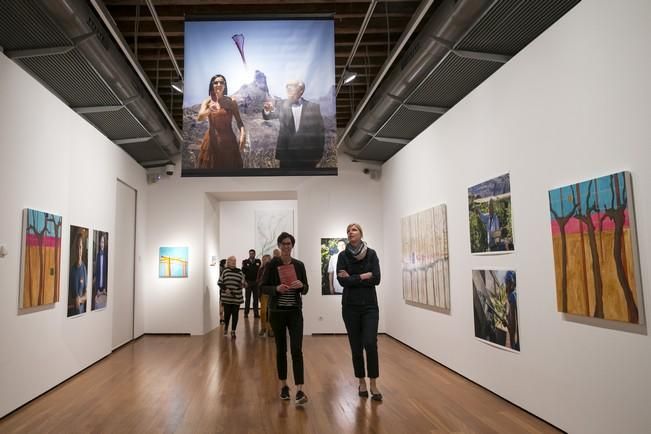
253 3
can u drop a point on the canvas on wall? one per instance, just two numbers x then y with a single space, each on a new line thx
173 262
495 306
268 225
425 259
100 269
489 208
41 259
259 97
78 274
330 249
595 249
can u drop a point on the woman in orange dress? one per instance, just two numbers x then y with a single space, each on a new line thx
220 149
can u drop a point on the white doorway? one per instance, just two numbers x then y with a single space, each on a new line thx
124 264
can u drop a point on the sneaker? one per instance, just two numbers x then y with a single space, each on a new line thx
301 398
284 393
233 334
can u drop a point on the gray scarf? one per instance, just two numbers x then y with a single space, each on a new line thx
358 253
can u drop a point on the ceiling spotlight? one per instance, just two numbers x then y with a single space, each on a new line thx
349 76
177 86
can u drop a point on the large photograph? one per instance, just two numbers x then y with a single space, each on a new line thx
425 259
330 249
78 274
41 259
595 249
495 306
259 98
489 208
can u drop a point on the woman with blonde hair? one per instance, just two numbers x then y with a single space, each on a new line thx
358 271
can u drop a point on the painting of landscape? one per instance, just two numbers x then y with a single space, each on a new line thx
41 259
595 249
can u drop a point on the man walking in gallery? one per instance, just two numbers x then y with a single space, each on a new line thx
250 267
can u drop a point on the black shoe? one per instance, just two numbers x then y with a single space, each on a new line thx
256 316
376 396
362 393
301 398
284 393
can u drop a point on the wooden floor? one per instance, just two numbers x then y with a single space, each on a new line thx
202 384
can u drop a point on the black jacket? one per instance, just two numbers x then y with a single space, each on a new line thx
356 290
270 280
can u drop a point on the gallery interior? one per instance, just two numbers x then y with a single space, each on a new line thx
561 104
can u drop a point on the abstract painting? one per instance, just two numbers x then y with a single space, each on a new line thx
495 306
100 269
41 259
425 259
489 208
330 249
173 262
78 274
268 225
595 249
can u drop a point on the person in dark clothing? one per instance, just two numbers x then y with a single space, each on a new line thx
358 271
285 281
250 267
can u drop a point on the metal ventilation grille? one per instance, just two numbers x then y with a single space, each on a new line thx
378 151
455 78
25 26
145 151
512 24
70 76
407 124
117 125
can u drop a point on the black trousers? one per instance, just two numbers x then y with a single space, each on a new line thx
231 310
252 289
361 324
281 321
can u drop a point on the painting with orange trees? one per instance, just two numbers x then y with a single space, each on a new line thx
41 259
595 249
173 262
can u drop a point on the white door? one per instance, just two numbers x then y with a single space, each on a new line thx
124 262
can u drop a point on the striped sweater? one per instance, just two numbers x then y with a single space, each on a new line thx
230 284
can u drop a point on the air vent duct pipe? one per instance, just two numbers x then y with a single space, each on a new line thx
448 24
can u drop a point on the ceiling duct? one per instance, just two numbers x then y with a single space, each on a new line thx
462 44
64 45
449 22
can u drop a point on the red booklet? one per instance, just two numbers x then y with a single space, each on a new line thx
287 274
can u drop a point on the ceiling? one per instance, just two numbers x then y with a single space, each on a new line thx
415 59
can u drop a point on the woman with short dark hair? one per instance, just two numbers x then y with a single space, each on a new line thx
285 281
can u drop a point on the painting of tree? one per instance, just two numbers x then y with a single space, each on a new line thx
41 259
595 249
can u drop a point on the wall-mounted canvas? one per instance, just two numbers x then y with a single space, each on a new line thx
100 269
330 249
78 274
425 259
41 259
595 249
259 97
489 207
173 262
495 306
269 223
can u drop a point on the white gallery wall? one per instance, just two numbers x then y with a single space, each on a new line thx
53 160
573 105
178 215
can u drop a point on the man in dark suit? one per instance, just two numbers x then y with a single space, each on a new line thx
301 135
